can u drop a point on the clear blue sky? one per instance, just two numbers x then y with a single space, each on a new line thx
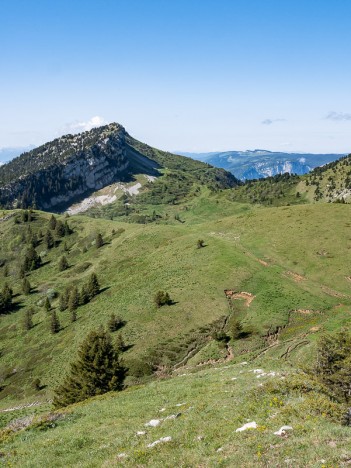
192 75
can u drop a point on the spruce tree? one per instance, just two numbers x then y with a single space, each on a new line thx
67 229
115 323
120 344
96 371
49 240
47 305
54 323
63 302
73 299
73 315
6 298
26 287
99 242
63 263
28 322
59 229
32 260
93 286
84 295
52 222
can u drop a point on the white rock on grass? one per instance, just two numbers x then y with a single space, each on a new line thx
250 425
180 404
153 423
258 371
159 441
139 433
173 416
282 431
234 378
122 455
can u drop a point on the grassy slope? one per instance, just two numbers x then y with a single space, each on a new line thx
145 258
212 405
287 263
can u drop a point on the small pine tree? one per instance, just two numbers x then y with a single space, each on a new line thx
235 329
26 287
73 315
115 323
49 240
63 263
99 242
59 229
93 286
63 302
73 299
37 385
120 344
200 243
52 223
96 371
28 321
47 305
68 230
6 298
84 295
32 260
54 323
162 298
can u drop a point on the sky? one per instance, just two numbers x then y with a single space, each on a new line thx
186 75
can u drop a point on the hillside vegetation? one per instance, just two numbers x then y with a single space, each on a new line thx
215 303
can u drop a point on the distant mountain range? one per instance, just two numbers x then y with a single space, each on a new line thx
259 163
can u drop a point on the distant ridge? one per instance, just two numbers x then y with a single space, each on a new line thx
260 163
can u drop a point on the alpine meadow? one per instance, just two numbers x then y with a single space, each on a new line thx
167 300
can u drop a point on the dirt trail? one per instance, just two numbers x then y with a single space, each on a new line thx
248 297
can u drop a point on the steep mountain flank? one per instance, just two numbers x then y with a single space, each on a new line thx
329 183
54 175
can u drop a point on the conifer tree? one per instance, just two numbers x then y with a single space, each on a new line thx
47 305
93 286
6 295
67 229
99 242
115 323
26 287
59 229
96 371
32 260
28 322
63 263
49 240
73 315
54 323
63 302
52 223
84 295
73 299
120 344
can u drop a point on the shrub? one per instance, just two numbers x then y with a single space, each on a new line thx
162 298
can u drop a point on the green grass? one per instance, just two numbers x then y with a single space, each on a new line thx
295 262
212 406
142 259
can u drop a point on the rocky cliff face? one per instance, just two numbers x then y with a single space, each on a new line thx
61 171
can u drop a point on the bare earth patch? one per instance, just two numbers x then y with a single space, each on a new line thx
296 277
248 297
